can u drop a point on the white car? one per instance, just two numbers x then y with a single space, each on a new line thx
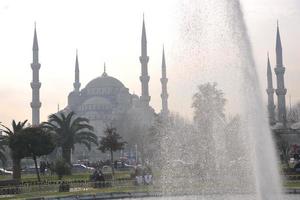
5 172
80 168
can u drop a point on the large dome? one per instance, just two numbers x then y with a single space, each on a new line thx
96 101
104 81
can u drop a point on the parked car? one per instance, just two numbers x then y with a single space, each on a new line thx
106 169
5 172
297 167
81 168
29 170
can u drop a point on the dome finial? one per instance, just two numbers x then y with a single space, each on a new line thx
104 70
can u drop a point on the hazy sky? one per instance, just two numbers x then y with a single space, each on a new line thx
110 31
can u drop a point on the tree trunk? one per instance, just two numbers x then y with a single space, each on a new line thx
112 163
17 169
66 154
36 168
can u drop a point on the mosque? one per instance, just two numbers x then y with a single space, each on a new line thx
278 114
106 99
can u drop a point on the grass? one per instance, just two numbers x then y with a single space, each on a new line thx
73 177
90 191
292 184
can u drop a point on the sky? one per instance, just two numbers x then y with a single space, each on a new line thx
110 31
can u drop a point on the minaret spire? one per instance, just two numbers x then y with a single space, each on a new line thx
77 74
35 84
144 59
279 57
270 92
104 70
280 70
164 81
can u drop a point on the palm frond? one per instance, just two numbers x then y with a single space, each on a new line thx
81 129
14 125
68 119
86 143
81 122
6 129
48 125
23 123
55 119
86 134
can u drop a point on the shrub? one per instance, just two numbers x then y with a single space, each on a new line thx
62 168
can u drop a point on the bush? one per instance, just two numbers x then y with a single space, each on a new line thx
62 168
64 187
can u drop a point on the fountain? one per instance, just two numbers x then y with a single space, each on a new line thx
222 157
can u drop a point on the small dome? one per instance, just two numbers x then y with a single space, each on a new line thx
134 96
104 82
72 93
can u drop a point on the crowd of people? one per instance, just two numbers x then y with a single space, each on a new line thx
143 175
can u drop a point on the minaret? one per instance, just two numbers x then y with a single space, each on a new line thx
35 84
144 58
270 92
76 84
279 70
164 81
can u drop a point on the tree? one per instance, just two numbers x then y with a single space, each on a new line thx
69 130
208 103
284 148
138 136
294 114
209 120
2 150
36 143
111 142
62 168
2 155
12 140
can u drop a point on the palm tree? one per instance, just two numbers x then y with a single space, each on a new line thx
3 158
69 130
11 140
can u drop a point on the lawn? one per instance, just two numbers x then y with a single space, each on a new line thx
89 191
292 184
73 177
130 187
92 191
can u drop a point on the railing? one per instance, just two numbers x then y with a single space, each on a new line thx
54 186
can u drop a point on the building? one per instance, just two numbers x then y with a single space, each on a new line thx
277 116
105 99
